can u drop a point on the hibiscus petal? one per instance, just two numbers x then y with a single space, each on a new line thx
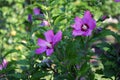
87 19
77 32
92 24
87 33
49 35
77 19
87 15
40 50
41 42
49 52
78 23
57 37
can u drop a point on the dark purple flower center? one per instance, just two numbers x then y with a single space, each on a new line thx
84 27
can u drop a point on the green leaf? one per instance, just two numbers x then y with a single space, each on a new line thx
59 19
84 69
10 51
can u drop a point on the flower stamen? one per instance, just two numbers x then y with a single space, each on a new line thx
84 27
49 45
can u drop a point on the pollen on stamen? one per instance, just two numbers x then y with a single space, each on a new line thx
84 27
49 45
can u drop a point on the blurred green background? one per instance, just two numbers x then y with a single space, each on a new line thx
17 43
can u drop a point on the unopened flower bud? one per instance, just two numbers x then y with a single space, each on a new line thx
44 23
30 18
98 30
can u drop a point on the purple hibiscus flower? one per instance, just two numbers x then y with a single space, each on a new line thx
36 11
84 26
117 0
3 64
48 44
